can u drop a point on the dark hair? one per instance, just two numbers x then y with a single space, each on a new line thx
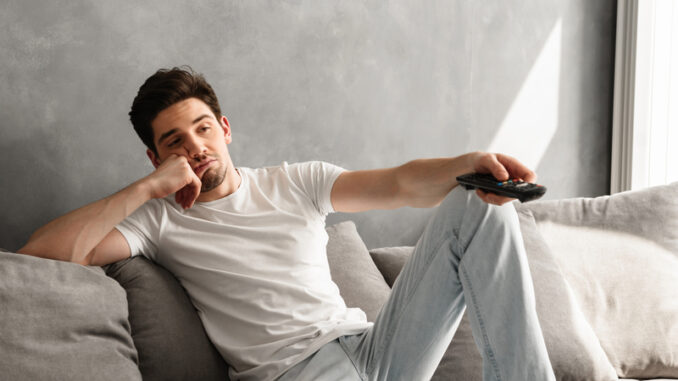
163 89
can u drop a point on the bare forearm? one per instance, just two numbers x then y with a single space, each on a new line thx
72 236
424 183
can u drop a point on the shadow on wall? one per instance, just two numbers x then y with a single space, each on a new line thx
363 85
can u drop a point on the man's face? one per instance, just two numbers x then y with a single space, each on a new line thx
189 128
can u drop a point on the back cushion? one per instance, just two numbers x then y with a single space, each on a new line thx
62 321
358 278
167 331
619 254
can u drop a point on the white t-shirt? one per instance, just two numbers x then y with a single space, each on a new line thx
254 264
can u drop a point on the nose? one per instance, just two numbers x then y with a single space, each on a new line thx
194 146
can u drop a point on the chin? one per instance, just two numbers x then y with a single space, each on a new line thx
211 179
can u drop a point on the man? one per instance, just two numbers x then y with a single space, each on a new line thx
248 245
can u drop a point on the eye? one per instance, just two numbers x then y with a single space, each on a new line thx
173 142
204 128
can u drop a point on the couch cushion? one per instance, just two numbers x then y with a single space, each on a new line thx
574 349
62 321
619 254
166 329
390 260
360 282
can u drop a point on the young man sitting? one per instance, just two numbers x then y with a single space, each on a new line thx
248 245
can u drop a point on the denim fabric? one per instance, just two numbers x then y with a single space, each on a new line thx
471 254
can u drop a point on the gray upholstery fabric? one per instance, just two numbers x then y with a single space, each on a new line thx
166 329
574 349
360 282
62 321
619 254
390 260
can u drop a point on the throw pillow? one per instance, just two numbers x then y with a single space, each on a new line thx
360 282
574 349
166 329
390 260
62 321
619 253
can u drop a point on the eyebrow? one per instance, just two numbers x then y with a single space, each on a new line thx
172 131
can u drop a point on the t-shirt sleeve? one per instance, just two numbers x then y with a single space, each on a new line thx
316 178
141 229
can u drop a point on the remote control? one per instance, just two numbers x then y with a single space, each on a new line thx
514 188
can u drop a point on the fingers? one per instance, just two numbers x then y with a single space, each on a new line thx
195 187
503 167
489 163
516 169
187 196
492 198
184 197
497 169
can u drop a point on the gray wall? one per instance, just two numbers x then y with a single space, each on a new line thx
363 84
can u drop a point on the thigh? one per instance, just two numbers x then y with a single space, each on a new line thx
416 325
329 363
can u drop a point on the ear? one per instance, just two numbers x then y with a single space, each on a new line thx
227 129
153 158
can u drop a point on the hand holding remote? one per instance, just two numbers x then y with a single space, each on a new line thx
501 168
513 188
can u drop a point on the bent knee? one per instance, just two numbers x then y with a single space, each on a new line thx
465 213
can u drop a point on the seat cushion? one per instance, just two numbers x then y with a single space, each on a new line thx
62 321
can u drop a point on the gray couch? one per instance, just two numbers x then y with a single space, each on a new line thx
605 272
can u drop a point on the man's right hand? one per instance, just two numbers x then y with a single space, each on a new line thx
175 175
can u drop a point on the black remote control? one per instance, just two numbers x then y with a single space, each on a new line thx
514 188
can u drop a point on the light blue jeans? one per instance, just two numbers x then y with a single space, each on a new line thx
471 254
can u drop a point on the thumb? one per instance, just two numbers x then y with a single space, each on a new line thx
497 169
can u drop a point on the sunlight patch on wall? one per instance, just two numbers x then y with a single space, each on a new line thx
532 120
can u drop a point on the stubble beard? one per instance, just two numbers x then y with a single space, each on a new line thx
213 177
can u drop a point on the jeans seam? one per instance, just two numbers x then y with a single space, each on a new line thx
362 376
486 341
388 338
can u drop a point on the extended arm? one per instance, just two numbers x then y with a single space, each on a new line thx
87 235
420 183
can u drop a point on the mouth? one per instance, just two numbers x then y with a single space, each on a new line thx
202 167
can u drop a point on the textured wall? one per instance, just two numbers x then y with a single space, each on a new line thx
363 84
